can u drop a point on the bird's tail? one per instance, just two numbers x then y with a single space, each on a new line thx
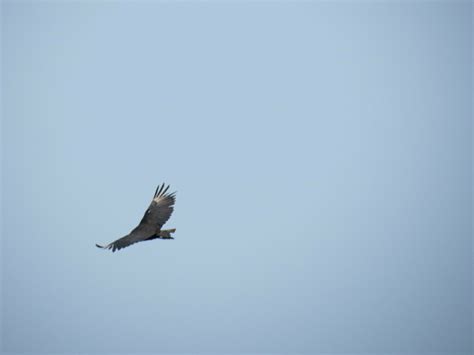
166 233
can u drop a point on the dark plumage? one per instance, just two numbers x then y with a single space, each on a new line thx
159 211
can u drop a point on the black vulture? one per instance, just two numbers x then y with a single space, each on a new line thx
149 228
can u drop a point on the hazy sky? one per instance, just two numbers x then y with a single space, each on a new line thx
321 153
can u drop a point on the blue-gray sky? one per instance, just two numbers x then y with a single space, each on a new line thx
321 153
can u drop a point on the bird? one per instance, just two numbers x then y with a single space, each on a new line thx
149 228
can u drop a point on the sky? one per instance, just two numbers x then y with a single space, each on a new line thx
321 154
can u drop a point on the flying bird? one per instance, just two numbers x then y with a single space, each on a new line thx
149 228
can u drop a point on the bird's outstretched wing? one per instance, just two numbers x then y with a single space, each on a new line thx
159 211
124 242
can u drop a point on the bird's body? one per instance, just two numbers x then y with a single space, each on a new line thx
149 228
